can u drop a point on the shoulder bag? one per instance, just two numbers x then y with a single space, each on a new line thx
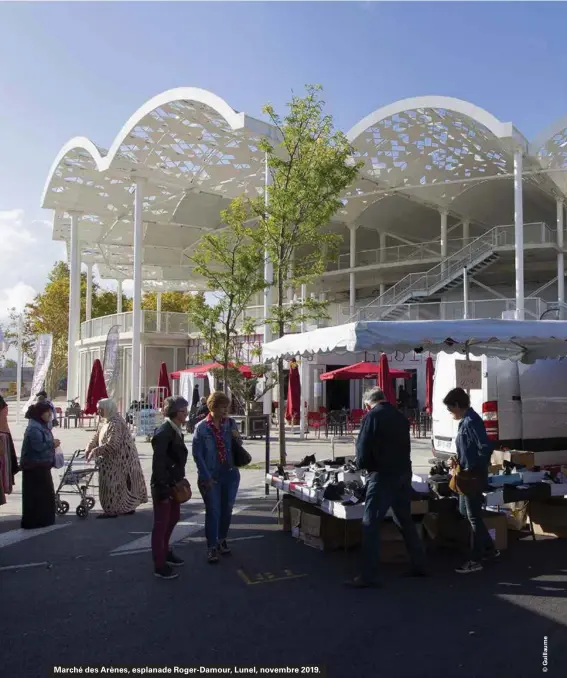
240 456
181 491
467 482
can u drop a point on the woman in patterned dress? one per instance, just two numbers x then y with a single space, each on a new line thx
122 487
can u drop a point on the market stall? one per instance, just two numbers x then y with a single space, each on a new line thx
517 488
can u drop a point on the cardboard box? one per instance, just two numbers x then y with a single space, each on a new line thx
451 531
549 518
322 531
420 507
392 545
287 502
517 457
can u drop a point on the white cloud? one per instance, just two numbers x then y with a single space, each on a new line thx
27 253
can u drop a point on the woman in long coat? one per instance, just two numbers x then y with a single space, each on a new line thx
37 460
122 487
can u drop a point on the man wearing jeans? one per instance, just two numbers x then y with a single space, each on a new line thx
473 451
384 450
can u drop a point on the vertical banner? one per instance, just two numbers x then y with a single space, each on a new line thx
43 347
111 364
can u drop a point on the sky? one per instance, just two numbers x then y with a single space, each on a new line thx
81 69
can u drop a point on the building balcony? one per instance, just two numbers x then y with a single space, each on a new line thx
176 324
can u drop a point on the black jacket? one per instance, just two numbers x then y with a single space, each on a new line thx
383 444
168 464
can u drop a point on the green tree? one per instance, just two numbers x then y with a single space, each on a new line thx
232 265
48 313
171 302
10 363
310 169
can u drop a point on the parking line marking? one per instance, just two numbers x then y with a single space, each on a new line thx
267 577
15 536
23 566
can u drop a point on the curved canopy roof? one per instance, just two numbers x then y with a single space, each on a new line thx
195 154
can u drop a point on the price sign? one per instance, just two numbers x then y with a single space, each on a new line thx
469 374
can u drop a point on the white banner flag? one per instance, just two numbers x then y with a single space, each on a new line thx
43 347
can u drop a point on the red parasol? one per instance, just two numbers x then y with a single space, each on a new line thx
201 370
97 388
163 381
385 381
293 408
363 371
429 372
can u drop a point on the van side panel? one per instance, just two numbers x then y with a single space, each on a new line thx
508 396
543 388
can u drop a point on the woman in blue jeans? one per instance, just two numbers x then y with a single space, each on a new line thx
218 477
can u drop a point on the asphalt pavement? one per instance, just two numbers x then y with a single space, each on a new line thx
83 594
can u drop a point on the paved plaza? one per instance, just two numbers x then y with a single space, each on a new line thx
83 593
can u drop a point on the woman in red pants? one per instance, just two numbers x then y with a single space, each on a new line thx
168 468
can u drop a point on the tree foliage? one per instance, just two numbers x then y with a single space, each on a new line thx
232 264
48 313
171 302
309 170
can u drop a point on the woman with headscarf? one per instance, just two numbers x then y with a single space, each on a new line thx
37 460
8 460
122 487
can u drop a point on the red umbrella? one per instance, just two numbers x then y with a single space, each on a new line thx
163 383
429 372
293 408
385 381
363 371
97 388
201 370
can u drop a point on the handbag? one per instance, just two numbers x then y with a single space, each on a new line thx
240 456
467 482
181 491
59 461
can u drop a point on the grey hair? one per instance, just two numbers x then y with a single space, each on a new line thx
373 396
108 407
173 405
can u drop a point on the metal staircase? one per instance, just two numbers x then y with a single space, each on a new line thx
475 256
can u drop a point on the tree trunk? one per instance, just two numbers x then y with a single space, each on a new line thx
225 379
281 410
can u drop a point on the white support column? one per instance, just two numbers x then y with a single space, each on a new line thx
19 369
119 297
158 309
382 247
269 278
519 232
560 259
137 304
74 309
465 293
89 304
352 275
443 239
466 232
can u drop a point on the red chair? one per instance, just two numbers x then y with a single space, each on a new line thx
355 419
315 421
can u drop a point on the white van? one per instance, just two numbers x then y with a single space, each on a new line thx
524 407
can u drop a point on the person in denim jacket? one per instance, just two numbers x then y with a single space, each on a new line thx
218 477
37 460
474 451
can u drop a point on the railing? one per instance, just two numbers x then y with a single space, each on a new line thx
424 284
152 322
537 233
453 310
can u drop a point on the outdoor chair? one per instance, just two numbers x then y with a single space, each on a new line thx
354 420
315 421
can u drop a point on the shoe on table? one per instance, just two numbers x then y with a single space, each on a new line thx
165 572
306 461
360 583
174 560
213 556
469 567
224 548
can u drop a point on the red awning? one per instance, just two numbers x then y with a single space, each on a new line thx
363 371
201 370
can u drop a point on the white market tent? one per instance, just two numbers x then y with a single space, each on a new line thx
523 340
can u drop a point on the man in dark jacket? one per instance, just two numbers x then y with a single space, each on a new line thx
474 451
384 450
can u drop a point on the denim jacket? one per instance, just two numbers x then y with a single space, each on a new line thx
37 448
205 451
474 449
